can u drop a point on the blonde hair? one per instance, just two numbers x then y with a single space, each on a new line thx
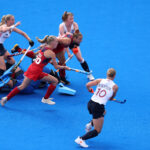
65 15
111 72
5 18
77 33
47 39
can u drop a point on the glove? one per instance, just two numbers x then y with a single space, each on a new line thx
91 90
31 43
75 50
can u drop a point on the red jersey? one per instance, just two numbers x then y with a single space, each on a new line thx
41 61
35 70
61 47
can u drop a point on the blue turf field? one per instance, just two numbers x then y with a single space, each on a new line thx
115 34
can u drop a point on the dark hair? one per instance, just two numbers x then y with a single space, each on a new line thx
65 15
77 33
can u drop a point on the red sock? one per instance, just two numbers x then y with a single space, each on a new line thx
50 90
62 72
14 92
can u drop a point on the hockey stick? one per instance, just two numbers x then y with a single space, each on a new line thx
66 61
4 79
22 52
81 71
119 101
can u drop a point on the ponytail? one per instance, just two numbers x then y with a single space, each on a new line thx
47 39
42 40
77 33
65 15
5 18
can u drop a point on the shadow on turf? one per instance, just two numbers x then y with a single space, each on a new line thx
103 146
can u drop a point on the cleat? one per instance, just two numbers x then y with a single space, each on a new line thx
3 101
81 142
90 77
15 48
48 101
64 81
88 127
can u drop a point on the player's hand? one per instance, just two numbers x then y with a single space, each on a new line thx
66 68
75 50
17 24
91 90
31 43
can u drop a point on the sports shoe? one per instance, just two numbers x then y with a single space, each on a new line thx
3 101
15 48
48 101
64 81
90 77
81 142
88 127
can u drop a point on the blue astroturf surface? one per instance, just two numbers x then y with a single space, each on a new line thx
116 34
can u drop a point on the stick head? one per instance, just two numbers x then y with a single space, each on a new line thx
124 101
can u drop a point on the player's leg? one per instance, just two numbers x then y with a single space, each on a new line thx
15 91
10 60
62 72
2 65
53 83
83 63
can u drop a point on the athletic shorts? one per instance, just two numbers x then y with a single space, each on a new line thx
2 50
95 109
35 75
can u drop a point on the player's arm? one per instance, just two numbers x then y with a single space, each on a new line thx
76 27
92 83
115 89
24 34
61 29
64 40
50 54
11 28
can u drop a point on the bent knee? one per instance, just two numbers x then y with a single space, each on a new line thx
55 82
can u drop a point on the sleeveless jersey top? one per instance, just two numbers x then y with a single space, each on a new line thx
104 91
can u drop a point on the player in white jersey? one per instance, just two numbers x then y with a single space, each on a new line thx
106 90
6 27
69 26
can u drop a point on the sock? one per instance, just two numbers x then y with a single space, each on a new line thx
85 66
89 135
62 72
14 92
50 90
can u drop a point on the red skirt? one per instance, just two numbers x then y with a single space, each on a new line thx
35 74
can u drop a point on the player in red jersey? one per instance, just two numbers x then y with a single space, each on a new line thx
68 40
35 71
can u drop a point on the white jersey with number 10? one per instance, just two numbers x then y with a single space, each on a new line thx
104 91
